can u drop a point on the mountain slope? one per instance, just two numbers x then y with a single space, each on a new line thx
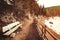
53 11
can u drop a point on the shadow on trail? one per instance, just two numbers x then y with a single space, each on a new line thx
33 33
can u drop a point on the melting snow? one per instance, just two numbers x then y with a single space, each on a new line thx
54 23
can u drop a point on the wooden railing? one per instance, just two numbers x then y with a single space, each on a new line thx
46 33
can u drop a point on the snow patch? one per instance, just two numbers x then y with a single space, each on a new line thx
53 23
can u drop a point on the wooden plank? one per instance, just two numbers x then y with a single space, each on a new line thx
9 26
49 36
55 35
12 30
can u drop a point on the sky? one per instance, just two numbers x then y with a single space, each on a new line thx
48 3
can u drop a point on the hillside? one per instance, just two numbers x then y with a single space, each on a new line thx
53 11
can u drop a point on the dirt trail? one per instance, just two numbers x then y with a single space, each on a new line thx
29 32
25 31
33 33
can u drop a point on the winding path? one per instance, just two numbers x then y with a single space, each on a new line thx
29 32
